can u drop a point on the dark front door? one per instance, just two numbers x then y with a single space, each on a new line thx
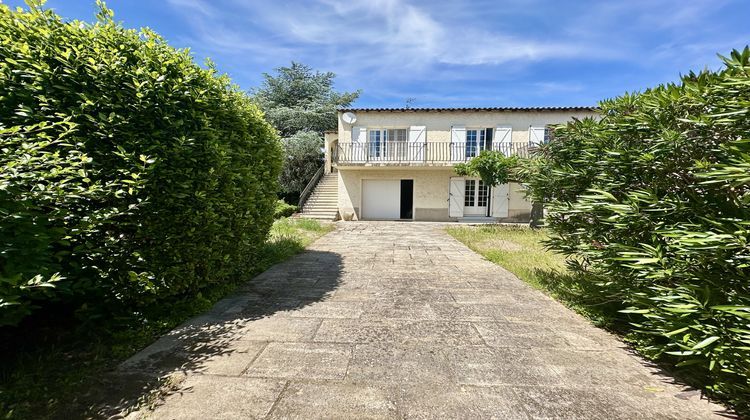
407 198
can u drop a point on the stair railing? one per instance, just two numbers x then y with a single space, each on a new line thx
310 187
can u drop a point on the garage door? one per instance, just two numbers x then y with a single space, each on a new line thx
381 199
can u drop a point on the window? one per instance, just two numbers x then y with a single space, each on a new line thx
375 145
379 139
471 143
478 140
476 193
470 193
485 141
482 194
395 134
548 134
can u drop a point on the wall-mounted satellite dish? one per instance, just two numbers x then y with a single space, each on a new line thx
349 117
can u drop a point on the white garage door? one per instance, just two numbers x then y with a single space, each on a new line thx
381 199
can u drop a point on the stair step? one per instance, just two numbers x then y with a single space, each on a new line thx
322 204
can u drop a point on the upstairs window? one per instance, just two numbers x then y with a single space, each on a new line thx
395 134
380 137
478 139
374 139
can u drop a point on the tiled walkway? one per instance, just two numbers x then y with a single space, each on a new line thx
395 320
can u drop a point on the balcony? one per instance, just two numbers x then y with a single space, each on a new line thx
404 153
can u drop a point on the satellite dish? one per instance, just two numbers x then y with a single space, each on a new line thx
349 117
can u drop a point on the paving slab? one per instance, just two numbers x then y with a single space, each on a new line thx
213 397
399 320
302 360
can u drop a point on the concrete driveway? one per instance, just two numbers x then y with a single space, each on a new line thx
395 320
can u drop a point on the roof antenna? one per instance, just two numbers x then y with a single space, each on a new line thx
409 102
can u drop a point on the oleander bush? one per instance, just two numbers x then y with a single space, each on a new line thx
128 173
653 199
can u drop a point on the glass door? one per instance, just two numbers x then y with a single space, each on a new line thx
476 198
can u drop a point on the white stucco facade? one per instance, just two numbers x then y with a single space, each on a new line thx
437 128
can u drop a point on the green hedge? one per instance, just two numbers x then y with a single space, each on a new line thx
127 172
654 199
284 210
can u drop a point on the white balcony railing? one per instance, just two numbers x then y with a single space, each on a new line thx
411 152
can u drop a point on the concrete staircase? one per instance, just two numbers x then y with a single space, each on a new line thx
323 202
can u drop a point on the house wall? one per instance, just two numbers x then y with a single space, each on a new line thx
439 123
431 187
431 183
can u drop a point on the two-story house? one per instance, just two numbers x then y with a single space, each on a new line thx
397 163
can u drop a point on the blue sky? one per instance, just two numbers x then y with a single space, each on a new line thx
450 53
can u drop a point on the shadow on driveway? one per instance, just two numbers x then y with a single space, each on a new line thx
307 278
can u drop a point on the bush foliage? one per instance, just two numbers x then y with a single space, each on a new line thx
492 166
284 210
654 199
127 172
303 156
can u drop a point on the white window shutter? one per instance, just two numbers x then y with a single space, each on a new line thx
417 140
458 143
457 191
359 134
417 133
503 139
500 200
359 139
536 135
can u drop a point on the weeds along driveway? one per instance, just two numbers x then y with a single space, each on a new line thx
393 320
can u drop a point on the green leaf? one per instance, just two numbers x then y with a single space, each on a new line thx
705 342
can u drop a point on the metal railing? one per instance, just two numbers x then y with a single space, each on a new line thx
411 152
310 187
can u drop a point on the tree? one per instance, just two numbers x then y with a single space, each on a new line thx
492 166
303 154
301 104
298 99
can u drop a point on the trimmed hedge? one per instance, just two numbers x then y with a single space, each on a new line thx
127 172
653 198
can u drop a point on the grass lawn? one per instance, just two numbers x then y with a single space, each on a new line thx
521 251
42 378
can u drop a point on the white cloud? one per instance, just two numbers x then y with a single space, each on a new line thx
533 45
384 36
194 6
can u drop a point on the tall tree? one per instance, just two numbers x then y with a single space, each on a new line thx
302 104
298 98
